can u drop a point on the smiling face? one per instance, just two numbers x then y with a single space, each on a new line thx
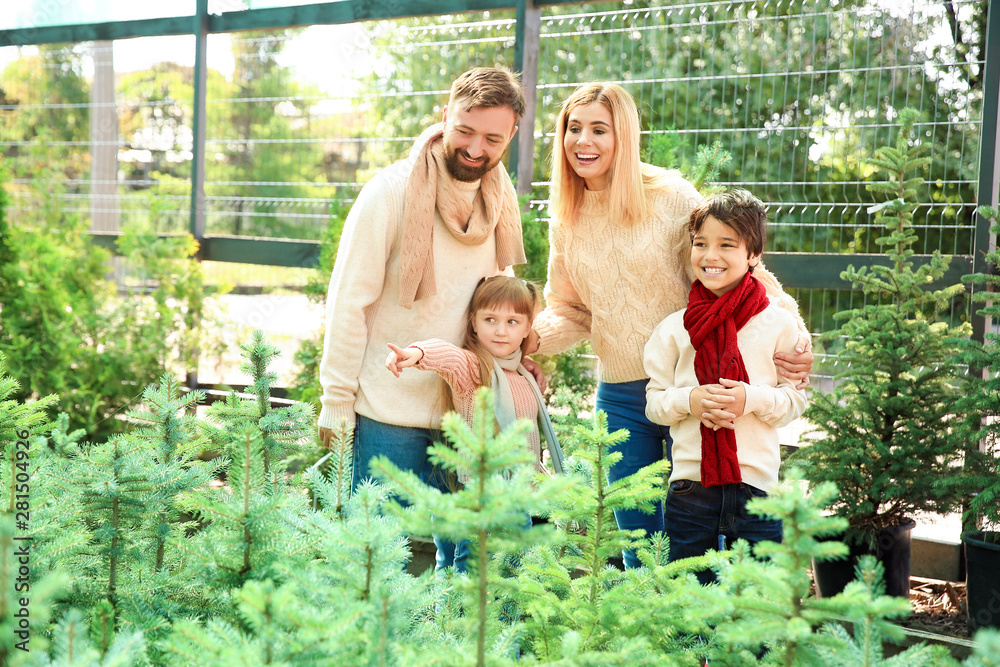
475 139
589 143
500 329
719 257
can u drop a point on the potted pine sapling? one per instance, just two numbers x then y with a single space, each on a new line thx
884 434
979 482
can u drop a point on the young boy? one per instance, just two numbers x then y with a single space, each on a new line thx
712 380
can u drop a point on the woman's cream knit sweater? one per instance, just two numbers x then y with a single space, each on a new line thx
612 284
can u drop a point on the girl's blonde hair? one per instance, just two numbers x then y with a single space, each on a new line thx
631 183
521 296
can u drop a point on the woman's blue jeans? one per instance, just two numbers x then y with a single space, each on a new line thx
625 405
406 447
700 519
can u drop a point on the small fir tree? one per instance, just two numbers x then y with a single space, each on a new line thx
884 431
254 520
106 509
869 611
281 429
161 585
352 603
114 487
58 538
576 603
762 601
19 423
250 523
72 645
277 626
333 488
761 611
105 512
501 494
169 433
360 570
24 628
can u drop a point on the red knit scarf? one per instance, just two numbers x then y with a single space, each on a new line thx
712 323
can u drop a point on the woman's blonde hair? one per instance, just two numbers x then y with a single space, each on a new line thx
521 296
631 183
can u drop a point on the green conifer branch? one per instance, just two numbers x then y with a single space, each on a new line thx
18 422
281 429
501 489
46 587
708 163
333 488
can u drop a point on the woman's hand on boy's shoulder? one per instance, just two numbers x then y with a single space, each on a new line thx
796 366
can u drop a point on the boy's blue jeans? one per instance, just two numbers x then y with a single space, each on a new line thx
700 519
625 405
406 447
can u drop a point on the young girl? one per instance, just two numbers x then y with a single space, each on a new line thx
500 317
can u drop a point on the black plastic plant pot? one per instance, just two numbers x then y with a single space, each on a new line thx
982 566
892 549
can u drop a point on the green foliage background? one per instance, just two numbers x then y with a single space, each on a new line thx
65 328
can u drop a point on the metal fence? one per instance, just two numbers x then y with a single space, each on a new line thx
800 92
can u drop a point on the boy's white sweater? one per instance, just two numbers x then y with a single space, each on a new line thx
772 400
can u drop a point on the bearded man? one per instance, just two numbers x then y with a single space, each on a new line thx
417 240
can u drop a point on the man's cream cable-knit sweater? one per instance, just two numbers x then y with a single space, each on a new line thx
363 311
612 284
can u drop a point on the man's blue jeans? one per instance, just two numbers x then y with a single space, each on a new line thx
406 447
700 519
625 405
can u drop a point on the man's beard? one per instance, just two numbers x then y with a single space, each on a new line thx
463 172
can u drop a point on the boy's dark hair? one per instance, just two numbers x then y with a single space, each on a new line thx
740 211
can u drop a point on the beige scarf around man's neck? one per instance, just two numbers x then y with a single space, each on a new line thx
431 187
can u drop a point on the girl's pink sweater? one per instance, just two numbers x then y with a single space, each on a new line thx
460 369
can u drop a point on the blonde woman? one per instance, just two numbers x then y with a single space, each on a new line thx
619 263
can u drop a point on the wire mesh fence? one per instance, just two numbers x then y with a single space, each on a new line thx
799 92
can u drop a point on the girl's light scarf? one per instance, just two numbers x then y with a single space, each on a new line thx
503 404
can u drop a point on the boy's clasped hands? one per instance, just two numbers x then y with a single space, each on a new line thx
718 405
